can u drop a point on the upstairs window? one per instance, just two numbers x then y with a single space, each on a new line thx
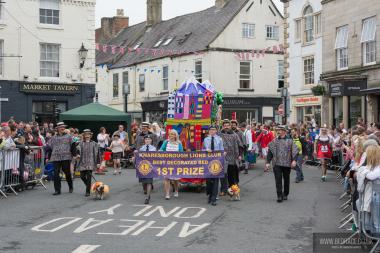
165 77
272 32
281 76
341 47
142 82
308 21
198 71
248 30
245 75
368 40
115 85
308 70
49 60
49 12
168 41
297 28
318 24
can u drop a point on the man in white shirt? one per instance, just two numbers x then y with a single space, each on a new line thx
247 141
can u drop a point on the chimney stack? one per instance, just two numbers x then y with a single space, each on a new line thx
110 27
220 3
154 12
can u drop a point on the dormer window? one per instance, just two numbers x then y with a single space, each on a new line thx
168 41
158 43
137 46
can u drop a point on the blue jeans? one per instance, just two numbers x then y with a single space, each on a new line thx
375 209
299 173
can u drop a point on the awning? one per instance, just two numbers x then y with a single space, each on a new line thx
371 91
94 112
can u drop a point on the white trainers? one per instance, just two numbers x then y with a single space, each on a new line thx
175 195
167 197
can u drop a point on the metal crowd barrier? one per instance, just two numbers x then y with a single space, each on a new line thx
12 175
358 219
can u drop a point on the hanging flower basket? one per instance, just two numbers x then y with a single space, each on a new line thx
318 90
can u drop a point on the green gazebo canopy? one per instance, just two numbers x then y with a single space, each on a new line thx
94 112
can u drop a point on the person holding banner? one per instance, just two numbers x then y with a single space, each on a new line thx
172 145
147 183
212 143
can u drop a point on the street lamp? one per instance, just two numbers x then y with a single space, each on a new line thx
284 95
82 55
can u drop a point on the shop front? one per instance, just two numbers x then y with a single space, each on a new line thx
155 110
252 109
306 108
41 102
347 103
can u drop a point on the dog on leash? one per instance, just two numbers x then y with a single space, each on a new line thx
234 192
100 190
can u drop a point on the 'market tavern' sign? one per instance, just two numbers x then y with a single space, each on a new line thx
49 88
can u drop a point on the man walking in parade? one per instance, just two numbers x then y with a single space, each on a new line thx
212 143
88 156
233 155
283 154
140 139
61 155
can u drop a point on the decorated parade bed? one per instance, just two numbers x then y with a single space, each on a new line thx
191 110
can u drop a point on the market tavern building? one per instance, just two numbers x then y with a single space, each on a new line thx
303 58
351 67
41 68
222 38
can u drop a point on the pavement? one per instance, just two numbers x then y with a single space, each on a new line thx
36 221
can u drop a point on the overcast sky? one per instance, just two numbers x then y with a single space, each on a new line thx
136 10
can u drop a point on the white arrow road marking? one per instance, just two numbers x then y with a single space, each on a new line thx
86 248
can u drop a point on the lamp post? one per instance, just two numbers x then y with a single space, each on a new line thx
126 92
82 55
284 95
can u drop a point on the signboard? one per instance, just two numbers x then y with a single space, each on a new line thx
307 100
49 88
179 164
347 88
249 102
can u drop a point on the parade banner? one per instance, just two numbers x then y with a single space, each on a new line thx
179 164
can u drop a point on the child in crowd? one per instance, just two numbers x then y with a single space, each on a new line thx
24 151
117 149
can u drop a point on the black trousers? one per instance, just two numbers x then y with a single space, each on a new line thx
212 185
86 176
279 174
232 175
65 167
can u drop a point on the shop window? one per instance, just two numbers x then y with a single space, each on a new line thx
115 86
245 75
49 12
198 70
165 77
248 30
368 40
142 82
355 109
341 47
338 110
308 70
49 60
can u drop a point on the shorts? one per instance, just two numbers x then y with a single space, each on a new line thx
117 155
264 151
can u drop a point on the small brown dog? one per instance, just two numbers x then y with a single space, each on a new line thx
100 190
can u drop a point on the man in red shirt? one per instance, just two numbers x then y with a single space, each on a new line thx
264 139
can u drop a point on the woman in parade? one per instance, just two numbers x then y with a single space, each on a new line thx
323 150
172 145
159 133
103 142
147 183
87 156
